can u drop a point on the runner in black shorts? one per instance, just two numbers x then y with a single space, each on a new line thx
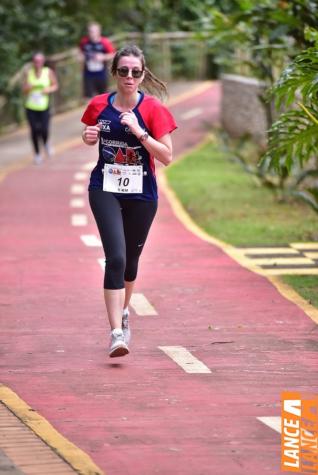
132 129
96 50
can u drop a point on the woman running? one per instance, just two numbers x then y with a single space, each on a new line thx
132 129
39 82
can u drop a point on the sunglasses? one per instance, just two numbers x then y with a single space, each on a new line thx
124 71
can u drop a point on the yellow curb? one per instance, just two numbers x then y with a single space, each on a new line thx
190 93
75 457
14 167
290 294
28 161
183 216
69 143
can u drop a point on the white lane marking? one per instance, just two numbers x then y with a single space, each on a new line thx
88 166
79 220
101 262
78 189
267 250
311 254
272 422
77 203
183 357
91 240
141 305
304 245
191 113
276 261
80 176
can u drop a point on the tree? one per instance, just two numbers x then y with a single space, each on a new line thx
293 138
268 32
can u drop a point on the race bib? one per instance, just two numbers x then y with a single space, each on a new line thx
123 178
37 98
94 66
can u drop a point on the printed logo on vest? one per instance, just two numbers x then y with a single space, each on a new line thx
105 125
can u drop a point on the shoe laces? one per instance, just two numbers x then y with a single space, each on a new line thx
118 335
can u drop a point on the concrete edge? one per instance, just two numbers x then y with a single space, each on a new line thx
75 457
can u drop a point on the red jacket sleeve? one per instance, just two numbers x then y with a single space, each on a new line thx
94 108
108 45
161 120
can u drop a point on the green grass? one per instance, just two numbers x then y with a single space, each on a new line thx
305 285
229 204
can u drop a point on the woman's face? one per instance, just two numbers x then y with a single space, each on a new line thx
38 60
130 65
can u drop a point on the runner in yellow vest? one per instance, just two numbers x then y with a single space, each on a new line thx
39 82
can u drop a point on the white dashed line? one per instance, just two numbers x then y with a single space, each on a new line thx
191 113
141 305
77 203
272 422
79 220
183 357
91 240
80 176
138 302
78 189
88 166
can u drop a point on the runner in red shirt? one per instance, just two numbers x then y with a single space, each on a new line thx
132 128
96 51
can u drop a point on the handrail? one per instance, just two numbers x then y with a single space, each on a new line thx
171 57
74 52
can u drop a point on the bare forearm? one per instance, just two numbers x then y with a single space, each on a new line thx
50 89
161 149
162 152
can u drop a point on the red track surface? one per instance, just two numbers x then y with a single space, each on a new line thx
142 414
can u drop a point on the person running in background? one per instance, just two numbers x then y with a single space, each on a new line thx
96 51
132 129
38 83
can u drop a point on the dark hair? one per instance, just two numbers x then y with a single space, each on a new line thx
150 83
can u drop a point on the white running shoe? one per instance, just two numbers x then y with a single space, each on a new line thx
125 326
49 152
37 159
118 346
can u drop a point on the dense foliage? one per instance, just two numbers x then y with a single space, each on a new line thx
263 39
55 25
293 138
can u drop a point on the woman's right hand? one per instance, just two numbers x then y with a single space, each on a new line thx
90 134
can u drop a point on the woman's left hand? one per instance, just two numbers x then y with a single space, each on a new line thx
130 119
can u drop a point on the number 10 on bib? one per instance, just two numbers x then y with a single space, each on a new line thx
123 178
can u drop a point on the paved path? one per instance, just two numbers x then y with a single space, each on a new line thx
146 414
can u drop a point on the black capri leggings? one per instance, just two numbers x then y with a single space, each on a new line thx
39 126
123 226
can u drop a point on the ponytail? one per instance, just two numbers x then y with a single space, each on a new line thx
154 85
